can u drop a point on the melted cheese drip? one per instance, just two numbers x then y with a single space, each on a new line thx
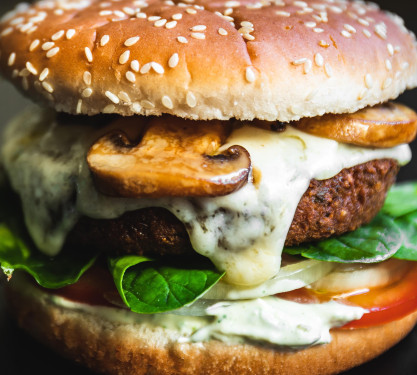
242 233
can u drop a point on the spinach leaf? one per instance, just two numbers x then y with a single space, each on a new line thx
148 286
408 226
374 242
401 200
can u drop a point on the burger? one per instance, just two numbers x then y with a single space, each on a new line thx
202 186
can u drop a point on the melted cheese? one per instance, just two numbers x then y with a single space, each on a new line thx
242 233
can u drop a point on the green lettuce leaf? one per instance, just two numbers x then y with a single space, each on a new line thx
148 286
17 251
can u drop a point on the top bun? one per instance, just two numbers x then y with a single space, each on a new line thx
202 59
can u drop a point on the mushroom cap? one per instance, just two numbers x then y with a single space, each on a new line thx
273 60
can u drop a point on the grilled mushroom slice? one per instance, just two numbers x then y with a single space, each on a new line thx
168 157
383 126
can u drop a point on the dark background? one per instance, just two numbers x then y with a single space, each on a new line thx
20 354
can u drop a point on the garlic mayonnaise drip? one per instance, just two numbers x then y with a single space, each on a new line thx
242 233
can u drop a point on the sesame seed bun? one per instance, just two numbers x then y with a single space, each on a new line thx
215 60
132 349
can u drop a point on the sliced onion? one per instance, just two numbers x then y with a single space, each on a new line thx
290 277
351 277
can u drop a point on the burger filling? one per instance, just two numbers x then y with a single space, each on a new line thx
242 192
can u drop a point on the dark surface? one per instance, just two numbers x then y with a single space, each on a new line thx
19 354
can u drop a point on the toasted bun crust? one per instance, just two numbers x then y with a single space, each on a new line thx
279 60
131 349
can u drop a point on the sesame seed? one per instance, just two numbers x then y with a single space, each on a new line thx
369 82
136 107
131 41
87 78
24 73
34 44
328 69
318 59
248 37
299 61
112 97
124 57
200 36
123 96
387 83
154 18
250 75
182 39
388 65
135 65
145 68
25 83
228 12
318 30
129 11
350 28
167 102
324 44
310 24
119 13
12 59
79 106
191 11
173 60
70 33
171 24
300 4
52 52
141 15
336 9
367 33
157 67
130 76
381 31
31 68
308 65
88 54
104 40
47 87
198 28
109 108
222 31
32 29
44 74
26 27
363 22
346 34
160 23
58 35
405 65
177 16
87 92
282 13
147 104
191 99
390 48
47 46
6 31
246 24
105 13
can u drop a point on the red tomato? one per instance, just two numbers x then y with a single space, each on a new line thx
385 304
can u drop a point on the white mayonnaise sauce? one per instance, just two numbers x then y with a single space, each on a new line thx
242 233
268 320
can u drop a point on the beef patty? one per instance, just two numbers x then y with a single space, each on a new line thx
328 208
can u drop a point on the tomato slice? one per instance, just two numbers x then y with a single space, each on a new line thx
386 304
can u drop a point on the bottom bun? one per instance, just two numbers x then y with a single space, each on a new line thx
129 348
